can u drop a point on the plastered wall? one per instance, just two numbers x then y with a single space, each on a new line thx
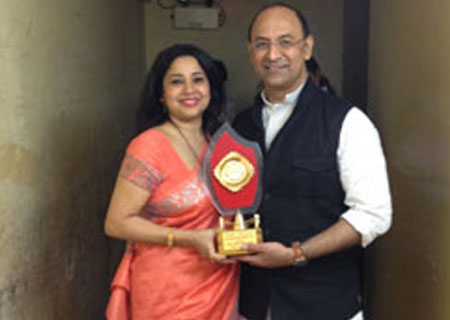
229 42
70 74
410 97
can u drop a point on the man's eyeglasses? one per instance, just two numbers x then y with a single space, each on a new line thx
283 44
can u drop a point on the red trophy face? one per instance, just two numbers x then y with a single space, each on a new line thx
233 170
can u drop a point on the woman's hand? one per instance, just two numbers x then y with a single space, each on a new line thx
203 241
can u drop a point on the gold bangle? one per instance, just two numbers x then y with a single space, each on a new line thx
170 234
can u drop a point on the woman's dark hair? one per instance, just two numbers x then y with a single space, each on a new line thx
153 113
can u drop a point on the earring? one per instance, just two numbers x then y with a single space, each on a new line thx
161 100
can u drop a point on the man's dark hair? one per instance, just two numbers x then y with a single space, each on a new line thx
301 17
312 65
152 111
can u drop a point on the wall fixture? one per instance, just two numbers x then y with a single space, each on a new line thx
196 17
170 4
185 2
195 14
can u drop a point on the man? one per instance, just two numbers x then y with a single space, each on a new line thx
326 193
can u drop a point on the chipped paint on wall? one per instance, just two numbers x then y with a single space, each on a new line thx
71 77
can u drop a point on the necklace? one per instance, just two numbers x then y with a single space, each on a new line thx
191 148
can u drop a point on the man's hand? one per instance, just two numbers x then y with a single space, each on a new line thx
268 255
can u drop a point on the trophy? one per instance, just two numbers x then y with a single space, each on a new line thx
232 170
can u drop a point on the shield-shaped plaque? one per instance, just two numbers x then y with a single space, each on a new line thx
233 170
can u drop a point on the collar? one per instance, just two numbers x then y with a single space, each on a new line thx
305 94
289 100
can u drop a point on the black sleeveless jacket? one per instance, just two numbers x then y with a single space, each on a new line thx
302 196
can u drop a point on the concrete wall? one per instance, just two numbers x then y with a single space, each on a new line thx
229 42
70 73
409 93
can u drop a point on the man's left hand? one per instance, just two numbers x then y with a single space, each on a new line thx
267 255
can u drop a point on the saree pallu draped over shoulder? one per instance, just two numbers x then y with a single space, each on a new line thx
157 282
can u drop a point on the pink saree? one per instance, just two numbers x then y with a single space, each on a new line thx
153 281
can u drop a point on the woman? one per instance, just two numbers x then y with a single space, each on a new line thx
160 205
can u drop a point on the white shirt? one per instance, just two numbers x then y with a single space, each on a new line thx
361 164
275 115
